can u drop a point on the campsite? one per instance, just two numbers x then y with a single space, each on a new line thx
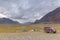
27 28
15 32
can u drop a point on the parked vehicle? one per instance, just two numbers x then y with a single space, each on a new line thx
49 30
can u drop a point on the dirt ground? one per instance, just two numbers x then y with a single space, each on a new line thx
29 36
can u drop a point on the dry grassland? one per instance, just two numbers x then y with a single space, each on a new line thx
18 28
14 32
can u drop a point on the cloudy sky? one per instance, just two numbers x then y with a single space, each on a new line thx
27 10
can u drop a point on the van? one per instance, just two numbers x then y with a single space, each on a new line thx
49 30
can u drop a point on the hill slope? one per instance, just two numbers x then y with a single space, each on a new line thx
7 21
52 17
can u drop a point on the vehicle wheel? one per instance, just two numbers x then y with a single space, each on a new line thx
54 32
47 32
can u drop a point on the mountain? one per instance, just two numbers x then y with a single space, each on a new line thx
7 21
51 17
28 23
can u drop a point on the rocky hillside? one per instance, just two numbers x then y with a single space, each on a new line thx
7 21
51 17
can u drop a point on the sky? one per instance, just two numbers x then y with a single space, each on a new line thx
27 10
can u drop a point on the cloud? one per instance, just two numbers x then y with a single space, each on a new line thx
27 10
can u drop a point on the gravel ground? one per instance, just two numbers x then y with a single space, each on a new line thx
29 36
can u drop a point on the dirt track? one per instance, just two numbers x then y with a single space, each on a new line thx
32 36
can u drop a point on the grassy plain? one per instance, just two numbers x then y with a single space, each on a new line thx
12 28
14 32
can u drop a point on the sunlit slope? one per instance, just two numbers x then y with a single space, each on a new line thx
8 28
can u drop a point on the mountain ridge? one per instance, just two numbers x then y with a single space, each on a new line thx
51 17
7 21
